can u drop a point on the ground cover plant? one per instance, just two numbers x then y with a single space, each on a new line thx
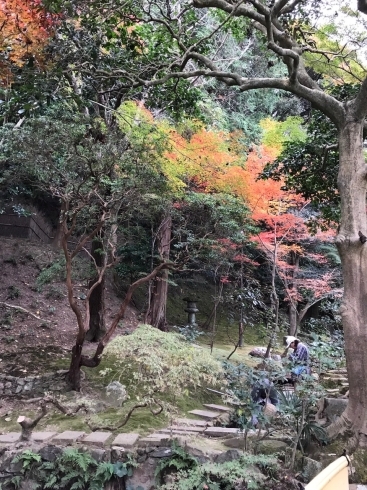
163 367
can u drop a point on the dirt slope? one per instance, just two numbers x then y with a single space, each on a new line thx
27 341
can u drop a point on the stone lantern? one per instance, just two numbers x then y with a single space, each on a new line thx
191 310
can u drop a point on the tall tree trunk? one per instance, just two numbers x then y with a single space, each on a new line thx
97 299
352 248
156 315
293 293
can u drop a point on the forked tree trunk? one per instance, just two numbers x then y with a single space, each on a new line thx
156 315
78 360
353 252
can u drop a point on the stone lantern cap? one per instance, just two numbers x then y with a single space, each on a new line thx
191 305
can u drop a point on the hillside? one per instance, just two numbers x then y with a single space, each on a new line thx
44 326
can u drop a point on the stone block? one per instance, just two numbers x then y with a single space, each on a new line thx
271 446
205 414
42 436
97 438
154 440
10 438
230 432
221 432
116 394
50 453
230 455
334 407
218 408
310 468
164 452
68 437
191 422
99 455
183 428
126 440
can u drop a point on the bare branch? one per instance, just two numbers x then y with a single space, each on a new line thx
20 308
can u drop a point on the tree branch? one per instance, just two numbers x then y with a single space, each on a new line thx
20 308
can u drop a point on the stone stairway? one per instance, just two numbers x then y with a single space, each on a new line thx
184 427
338 381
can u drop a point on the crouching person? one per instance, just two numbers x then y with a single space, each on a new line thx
300 358
265 395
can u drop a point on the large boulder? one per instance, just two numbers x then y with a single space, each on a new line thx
334 407
271 446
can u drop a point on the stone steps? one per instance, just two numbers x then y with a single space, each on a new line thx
179 428
217 408
205 414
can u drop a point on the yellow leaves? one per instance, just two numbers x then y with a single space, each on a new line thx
335 53
189 156
276 133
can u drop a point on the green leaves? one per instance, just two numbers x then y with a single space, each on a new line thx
164 363
71 470
249 471
310 167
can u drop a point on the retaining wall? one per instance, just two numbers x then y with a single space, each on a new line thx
33 385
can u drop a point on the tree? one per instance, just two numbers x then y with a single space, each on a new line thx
182 43
25 28
98 179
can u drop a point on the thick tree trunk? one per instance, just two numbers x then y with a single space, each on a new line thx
156 315
97 299
74 374
353 252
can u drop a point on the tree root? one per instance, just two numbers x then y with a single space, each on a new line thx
95 427
340 426
28 424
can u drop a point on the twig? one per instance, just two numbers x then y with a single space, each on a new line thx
15 307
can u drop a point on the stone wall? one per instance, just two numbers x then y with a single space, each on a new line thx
147 457
33 385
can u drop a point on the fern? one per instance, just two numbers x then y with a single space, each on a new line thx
179 460
72 470
242 473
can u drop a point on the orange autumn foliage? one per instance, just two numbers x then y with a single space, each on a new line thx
264 197
202 159
25 27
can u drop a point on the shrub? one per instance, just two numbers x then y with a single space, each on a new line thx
70 470
164 365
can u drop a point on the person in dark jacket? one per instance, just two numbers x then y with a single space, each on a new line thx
263 390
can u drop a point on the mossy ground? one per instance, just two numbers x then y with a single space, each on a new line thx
38 348
93 387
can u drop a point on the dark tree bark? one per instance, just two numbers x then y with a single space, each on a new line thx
78 360
156 315
362 6
97 326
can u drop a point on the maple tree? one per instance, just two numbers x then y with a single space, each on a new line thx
284 237
25 28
